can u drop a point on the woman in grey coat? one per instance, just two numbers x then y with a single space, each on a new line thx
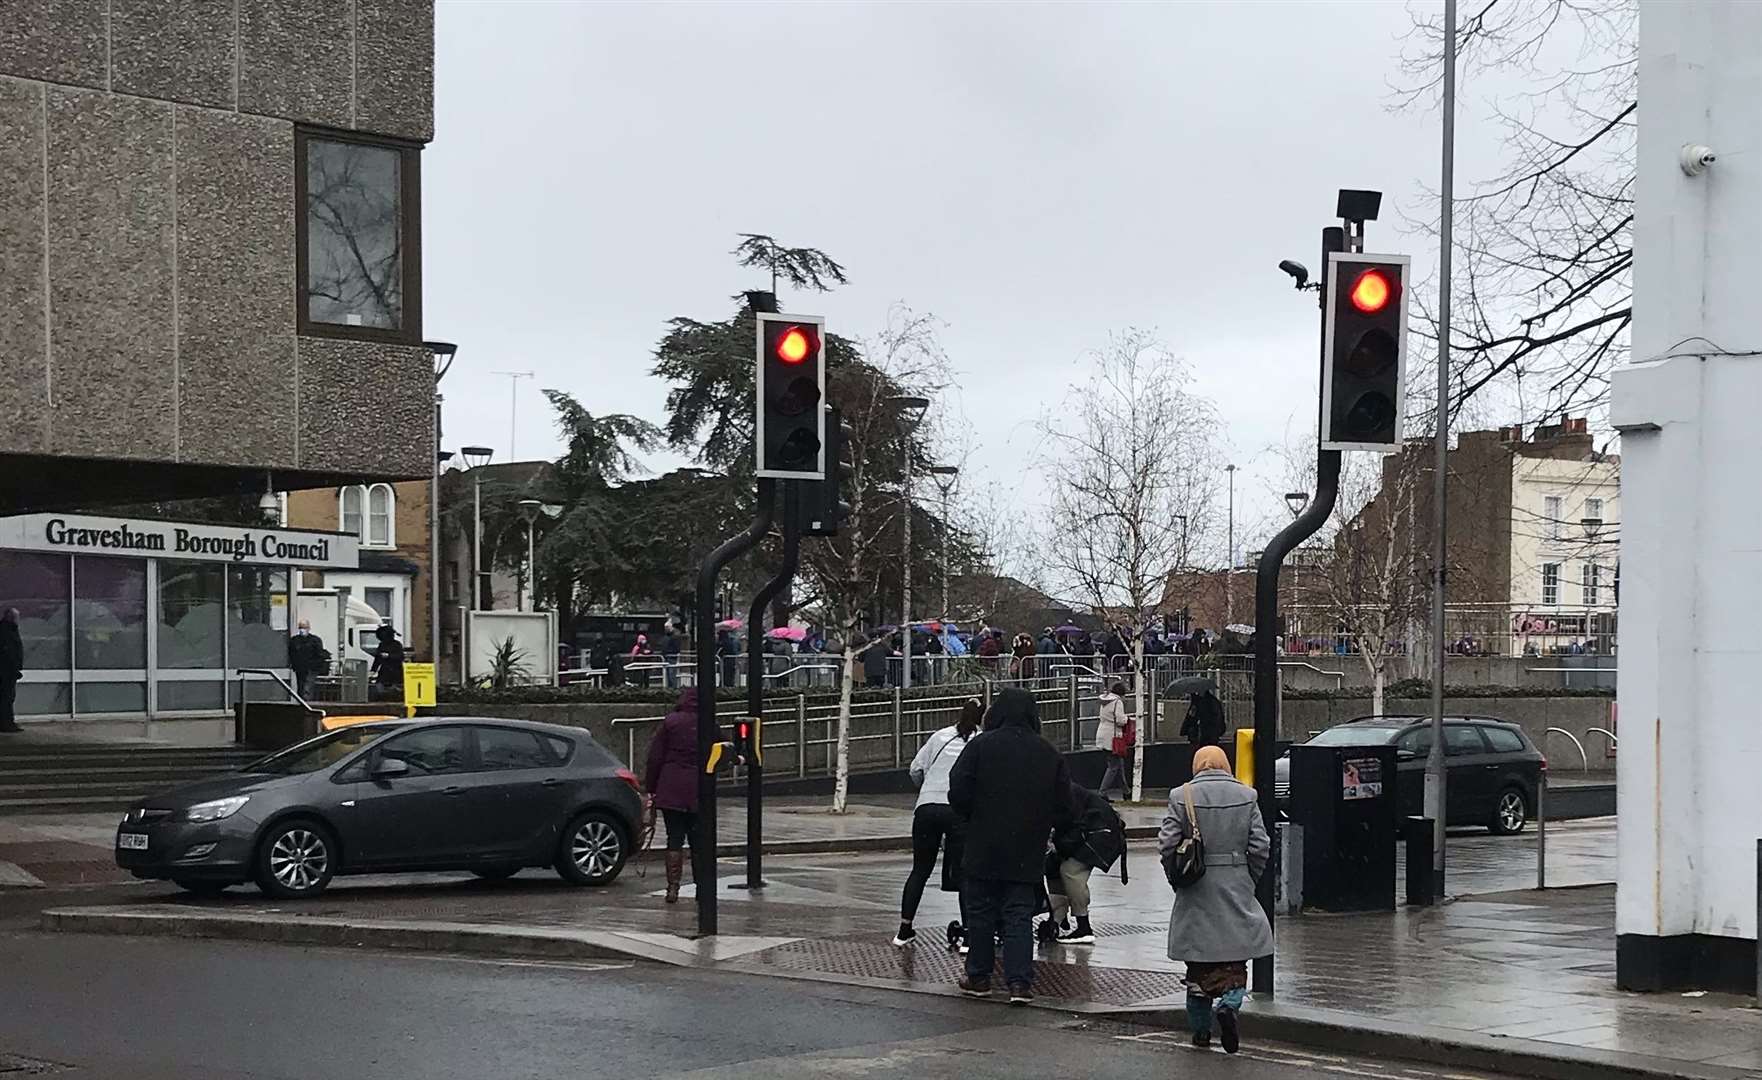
1217 925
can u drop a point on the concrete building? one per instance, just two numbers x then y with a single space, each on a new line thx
210 284
392 572
210 247
1691 750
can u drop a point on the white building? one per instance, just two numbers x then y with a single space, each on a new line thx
1565 555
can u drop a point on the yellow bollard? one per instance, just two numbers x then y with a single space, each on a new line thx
1245 755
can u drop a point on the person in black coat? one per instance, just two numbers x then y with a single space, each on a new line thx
1095 838
388 663
1205 723
11 667
1010 789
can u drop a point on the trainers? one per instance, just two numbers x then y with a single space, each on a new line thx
965 948
1229 1033
905 936
974 987
1077 935
1202 1040
1020 994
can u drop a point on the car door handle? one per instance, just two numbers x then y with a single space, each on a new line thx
454 790
550 782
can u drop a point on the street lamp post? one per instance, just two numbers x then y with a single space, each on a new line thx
947 487
529 509
443 353
475 456
1230 570
911 414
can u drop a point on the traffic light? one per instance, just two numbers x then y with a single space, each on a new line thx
790 430
1364 358
746 741
823 506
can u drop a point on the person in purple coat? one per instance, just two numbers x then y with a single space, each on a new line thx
671 783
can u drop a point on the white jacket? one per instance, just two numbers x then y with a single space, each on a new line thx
1111 723
934 762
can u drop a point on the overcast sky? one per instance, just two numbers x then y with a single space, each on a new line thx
1034 174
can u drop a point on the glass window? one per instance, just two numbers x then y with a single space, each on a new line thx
319 753
1419 740
1550 583
1591 583
257 616
354 234
201 695
380 600
429 751
43 699
37 586
506 748
109 614
192 598
1354 735
1551 511
560 748
110 697
1594 509
351 512
1461 740
1503 740
379 515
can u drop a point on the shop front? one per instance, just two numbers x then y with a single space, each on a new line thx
133 620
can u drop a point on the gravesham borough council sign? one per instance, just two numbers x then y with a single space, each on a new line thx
81 534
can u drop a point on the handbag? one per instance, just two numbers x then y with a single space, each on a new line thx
1126 739
1184 864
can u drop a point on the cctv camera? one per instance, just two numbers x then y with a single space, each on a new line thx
1297 270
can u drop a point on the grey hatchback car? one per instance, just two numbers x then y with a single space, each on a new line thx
484 795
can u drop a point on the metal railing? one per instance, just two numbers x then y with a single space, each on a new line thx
1584 762
244 700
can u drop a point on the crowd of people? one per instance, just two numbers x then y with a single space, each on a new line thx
1017 837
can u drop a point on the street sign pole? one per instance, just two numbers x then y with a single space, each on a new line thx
755 685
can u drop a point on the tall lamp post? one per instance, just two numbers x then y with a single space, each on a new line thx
1230 568
911 414
443 353
474 457
949 472
529 509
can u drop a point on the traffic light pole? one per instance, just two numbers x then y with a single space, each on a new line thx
703 837
755 683
1266 633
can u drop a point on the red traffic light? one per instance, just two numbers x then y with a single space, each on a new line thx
795 345
743 729
1372 291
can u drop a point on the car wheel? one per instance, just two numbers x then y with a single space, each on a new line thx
200 887
496 873
296 860
594 848
1512 813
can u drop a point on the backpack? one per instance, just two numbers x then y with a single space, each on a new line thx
1184 866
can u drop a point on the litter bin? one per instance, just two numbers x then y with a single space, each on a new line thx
1344 797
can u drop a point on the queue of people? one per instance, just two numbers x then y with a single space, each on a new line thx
1018 837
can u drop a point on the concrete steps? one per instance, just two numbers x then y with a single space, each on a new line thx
62 777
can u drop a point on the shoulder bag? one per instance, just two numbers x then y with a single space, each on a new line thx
1184 865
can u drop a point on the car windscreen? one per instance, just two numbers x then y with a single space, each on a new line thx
1355 735
320 753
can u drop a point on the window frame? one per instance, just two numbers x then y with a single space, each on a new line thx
1554 600
1598 501
467 744
545 759
1474 735
391 517
1553 514
409 331
342 510
1488 731
1590 584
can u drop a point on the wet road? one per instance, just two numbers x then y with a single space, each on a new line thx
88 1007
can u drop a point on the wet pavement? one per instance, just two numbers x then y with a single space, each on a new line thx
1510 964
91 1008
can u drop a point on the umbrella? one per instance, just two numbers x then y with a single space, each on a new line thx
789 633
730 624
1192 684
1239 628
1069 628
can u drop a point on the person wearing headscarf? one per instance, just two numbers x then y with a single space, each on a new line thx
1217 924
1010 789
934 824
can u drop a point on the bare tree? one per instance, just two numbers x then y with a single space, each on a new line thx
1129 458
904 357
1544 293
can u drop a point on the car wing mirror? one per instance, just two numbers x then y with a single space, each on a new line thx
390 768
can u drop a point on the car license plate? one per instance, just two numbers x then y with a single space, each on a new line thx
132 841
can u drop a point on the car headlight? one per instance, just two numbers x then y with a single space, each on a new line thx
214 811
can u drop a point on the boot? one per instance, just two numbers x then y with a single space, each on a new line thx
675 871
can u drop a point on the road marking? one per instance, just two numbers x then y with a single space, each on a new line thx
491 961
1379 1070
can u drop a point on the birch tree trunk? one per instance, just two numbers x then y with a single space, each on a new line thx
847 682
1138 706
